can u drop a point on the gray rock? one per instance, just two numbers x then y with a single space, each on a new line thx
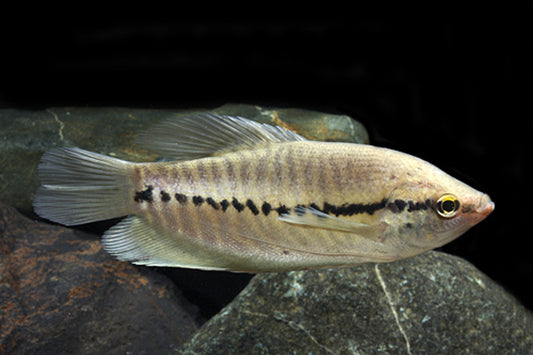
432 303
60 293
25 135
313 125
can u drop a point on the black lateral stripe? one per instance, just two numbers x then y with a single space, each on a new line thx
250 204
314 205
197 200
266 208
224 204
238 206
329 208
212 203
181 198
165 197
282 210
399 205
347 209
416 206
145 195
376 206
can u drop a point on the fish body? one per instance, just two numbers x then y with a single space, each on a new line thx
242 196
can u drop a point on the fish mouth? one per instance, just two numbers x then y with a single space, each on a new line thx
485 206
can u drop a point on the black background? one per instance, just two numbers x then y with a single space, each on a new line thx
448 84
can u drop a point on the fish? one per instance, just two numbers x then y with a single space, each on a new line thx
242 196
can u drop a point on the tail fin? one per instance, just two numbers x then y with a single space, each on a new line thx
78 186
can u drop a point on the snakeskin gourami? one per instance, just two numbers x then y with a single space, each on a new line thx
245 196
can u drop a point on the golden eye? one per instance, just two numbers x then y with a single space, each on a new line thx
447 206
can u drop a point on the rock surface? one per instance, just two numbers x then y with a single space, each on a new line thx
432 303
60 293
313 125
25 135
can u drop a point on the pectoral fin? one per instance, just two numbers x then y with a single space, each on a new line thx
311 217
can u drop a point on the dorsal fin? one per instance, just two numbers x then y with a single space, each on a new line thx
196 136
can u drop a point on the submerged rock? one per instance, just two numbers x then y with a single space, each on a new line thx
25 135
314 125
432 303
60 293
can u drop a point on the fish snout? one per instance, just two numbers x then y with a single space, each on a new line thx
478 210
485 206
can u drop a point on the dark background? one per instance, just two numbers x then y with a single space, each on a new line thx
449 85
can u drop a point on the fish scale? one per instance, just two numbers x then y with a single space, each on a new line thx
253 197
292 159
228 178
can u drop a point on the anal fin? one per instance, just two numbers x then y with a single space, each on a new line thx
135 240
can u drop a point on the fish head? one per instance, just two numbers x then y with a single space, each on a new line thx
433 208
453 214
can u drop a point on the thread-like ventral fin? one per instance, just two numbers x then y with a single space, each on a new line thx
311 217
201 135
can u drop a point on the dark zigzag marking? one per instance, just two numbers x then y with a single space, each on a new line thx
238 206
266 208
181 198
224 204
165 197
346 209
145 195
212 203
197 200
250 204
353 208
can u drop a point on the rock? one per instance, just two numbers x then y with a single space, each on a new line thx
313 125
25 135
61 293
432 303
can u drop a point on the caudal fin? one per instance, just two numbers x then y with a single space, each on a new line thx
78 186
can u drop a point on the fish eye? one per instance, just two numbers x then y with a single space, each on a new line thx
447 206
